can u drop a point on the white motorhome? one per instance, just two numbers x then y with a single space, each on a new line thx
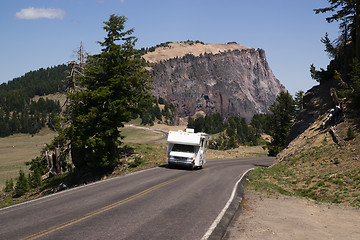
187 148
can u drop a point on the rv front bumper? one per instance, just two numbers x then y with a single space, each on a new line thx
180 161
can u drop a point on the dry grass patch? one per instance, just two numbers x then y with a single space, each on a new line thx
136 135
17 149
240 152
180 49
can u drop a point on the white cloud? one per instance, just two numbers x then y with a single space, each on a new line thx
35 13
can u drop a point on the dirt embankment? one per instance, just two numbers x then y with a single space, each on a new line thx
282 217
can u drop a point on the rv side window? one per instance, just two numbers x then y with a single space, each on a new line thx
183 148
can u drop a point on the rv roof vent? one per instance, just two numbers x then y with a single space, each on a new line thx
190 130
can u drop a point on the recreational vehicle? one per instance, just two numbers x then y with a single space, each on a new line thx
187 148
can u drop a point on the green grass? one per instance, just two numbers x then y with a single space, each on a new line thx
317 174
17 149
136 122
153 154
135 135
259 181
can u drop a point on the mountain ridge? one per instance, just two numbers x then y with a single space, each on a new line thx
236 81
180 49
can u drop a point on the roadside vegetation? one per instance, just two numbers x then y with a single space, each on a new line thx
25 185
325 173
230 133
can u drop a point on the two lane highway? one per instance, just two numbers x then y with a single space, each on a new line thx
157 203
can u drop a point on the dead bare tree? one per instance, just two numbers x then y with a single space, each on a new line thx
59 150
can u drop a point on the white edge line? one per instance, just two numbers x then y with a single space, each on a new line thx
55 195
221 214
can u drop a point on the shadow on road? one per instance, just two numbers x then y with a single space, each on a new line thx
178 167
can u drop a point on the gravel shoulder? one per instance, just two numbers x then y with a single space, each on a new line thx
283 217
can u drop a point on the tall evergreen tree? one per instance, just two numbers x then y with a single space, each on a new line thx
113 86
282 117
355 82
299 101
348 13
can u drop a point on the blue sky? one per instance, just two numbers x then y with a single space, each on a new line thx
44 33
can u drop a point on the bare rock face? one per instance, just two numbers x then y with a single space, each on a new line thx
233 83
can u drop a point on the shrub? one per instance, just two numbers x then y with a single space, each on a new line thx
9 185
137 162
22 184
350 133
35 178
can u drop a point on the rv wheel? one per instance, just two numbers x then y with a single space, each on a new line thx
192 166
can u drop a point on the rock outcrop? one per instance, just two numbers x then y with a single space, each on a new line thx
317 102
233 82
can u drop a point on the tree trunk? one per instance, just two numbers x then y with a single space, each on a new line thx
357 32
58 160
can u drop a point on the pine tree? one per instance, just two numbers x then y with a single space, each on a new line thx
350 133
22 184
9 185
191 123
348 13
283 115
355 82
114 85
35 178
299 95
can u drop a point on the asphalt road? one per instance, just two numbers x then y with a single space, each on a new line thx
158 203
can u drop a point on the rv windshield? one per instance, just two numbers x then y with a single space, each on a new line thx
183 148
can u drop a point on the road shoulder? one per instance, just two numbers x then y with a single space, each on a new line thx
283 217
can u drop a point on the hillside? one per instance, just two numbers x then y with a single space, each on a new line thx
203 78
321 162
20 111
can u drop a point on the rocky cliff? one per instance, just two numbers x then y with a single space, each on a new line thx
231 82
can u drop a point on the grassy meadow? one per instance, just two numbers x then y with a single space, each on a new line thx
17 149
136 135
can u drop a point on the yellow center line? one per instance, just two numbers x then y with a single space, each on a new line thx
103 209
